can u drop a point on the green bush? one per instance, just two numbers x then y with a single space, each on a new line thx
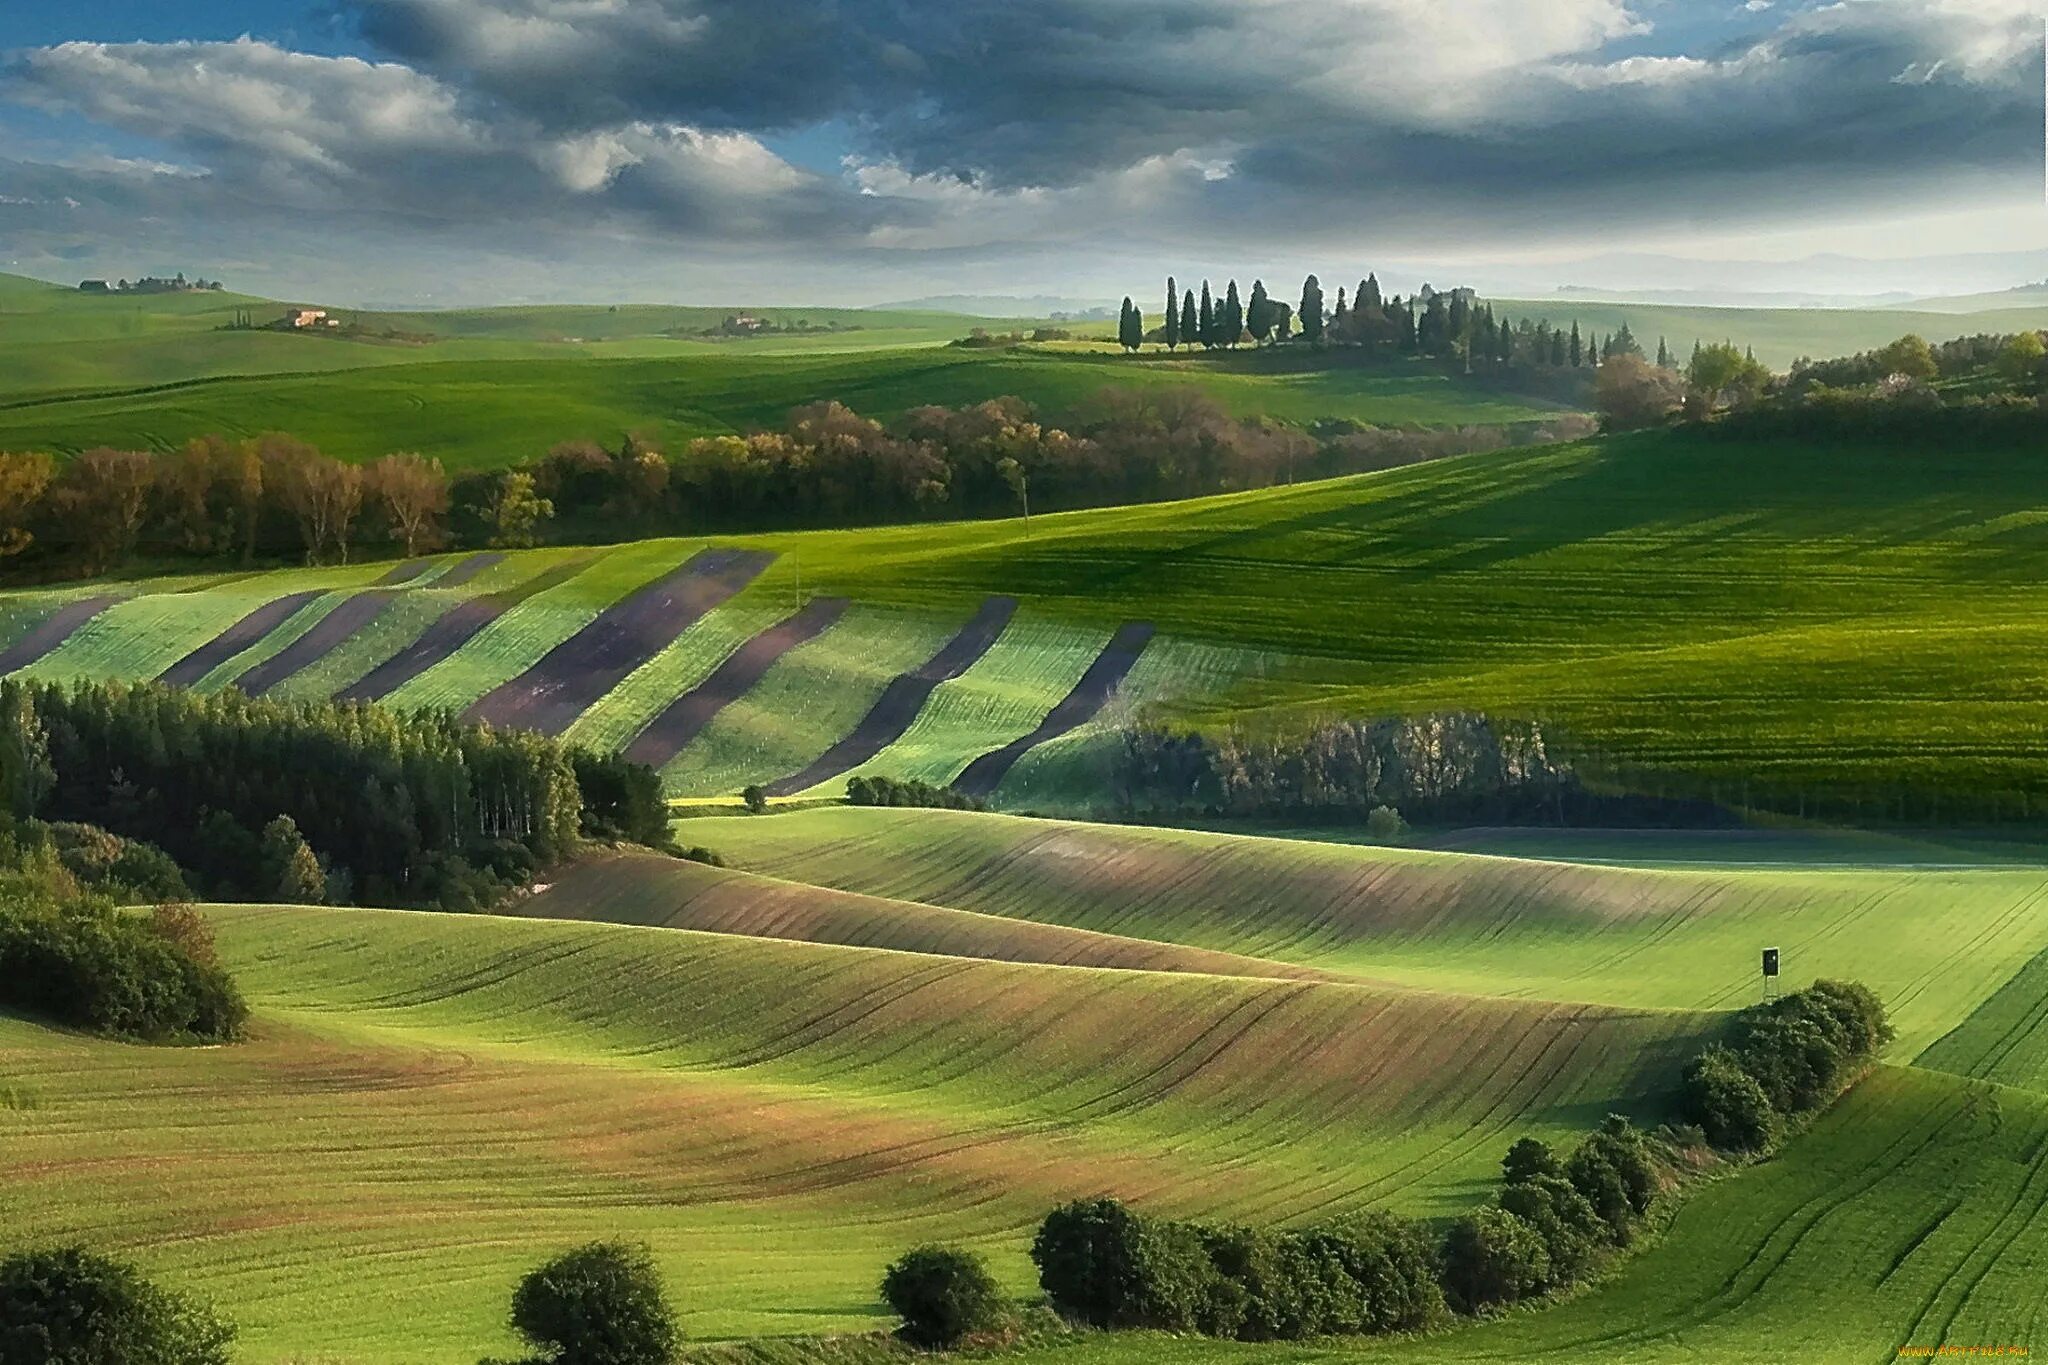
1613 1170
1491 1257
600 1304
1528 1159
85 963
942 1295
1386 1277
1104 1265
755 798
887 791
71 1307
1571 1228
1731 1109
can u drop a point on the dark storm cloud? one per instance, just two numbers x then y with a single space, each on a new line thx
996 124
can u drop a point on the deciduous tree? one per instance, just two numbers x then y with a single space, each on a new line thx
413 494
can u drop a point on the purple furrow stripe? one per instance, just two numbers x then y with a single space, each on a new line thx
575 673
904 697
53 630
1077 708
686 716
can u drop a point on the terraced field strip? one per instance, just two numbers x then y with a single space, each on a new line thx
356 616
454 629
661 892
1077 708
53 630
1173 680
904 698
432 1102
810 699
236 638
569 678
353 614
468 569
685 717
1019 680
405 572
1909 1219
1936 943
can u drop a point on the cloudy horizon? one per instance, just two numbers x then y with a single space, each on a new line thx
859 151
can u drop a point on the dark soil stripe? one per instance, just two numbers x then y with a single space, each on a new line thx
467 569
903 698
405 573
456 628
575 673
1077 708
236 638
686 716
328 634
53 630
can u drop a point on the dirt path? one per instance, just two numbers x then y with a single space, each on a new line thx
688 714
904 698
451 632
570 677
53 630
1076 709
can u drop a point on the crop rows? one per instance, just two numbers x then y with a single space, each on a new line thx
1935 943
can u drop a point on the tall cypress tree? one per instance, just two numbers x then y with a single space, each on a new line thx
1663 355
1131 326
1258 317
1369 292
1576 350
1230 325
1206 320
1340 321
1171 327
1190 327
1311 312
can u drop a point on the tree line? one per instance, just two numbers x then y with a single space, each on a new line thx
274 497
313 802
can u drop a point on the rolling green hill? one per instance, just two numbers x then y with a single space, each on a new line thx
483 413
1851 630
431 1102
792 1084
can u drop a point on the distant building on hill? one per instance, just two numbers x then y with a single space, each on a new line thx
299 318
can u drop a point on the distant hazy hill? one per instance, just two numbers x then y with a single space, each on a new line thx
999 305
2024 296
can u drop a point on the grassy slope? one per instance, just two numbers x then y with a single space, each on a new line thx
1913 1215
778 1119
1781 614
482 413
1935 943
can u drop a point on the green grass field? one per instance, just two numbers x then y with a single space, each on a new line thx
1832 621
433 1101
779 1086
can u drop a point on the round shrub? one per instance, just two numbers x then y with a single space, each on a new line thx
71 1307
942 1295
1526 1160
601 1304
1103 1264
1727 1103
1492 1257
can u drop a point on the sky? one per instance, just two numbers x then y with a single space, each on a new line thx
861 151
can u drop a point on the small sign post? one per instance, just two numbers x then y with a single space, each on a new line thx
1770 973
